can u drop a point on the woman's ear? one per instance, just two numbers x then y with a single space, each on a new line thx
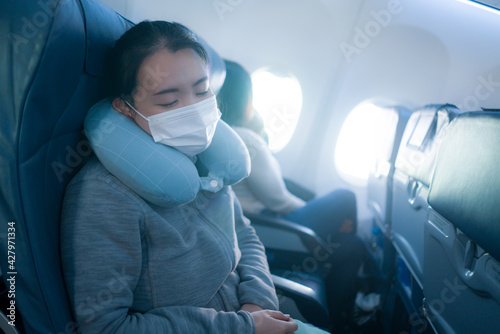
120 106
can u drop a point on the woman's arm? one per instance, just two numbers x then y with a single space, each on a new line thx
101 237
256 290
265 180
256 286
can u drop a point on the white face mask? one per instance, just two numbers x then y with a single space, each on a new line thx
189 129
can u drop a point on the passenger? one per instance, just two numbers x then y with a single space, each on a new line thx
332 217
134 267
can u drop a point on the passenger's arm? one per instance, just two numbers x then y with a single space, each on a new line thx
101 238
265 180
256 285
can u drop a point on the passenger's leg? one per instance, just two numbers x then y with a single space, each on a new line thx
328 215
341 281
333 218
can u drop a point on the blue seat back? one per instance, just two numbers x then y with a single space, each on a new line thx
462 249
52 63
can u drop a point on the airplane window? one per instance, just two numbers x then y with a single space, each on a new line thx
277 96
365 136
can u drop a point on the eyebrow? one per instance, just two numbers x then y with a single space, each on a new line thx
174 90
200 81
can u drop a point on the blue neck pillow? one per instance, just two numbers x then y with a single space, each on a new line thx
158 173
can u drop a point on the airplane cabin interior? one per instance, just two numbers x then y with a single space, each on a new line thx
393 102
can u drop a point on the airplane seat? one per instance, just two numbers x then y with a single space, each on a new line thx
52 64
392 122
381 173
286 242
461 274
51 59
413 172
299 190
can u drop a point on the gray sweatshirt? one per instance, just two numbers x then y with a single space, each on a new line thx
133 267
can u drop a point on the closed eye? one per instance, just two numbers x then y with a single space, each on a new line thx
168 105
203 93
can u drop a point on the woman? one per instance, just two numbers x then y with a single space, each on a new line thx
332 217
264 191
133 267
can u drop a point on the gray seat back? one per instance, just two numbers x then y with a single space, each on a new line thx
414 167
462 249
381 174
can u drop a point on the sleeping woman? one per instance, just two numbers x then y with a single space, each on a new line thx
131 266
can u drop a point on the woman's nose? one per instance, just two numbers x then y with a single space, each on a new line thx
187 101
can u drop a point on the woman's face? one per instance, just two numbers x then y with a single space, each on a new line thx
167 81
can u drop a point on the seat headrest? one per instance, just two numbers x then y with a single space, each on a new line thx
465 188
97 40
395 119
98 37
421 139
46 87
391 123
158 173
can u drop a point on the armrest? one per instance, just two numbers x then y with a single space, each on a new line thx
284 234
310 302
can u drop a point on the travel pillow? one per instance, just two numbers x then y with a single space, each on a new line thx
159 173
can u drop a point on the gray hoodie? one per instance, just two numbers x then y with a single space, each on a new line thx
133 267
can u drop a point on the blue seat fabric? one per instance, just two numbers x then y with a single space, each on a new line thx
52 65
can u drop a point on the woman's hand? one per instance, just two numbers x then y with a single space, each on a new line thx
273 322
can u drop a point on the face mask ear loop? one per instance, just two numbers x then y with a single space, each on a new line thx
131 107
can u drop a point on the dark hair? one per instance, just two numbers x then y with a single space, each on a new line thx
235 94
140 42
